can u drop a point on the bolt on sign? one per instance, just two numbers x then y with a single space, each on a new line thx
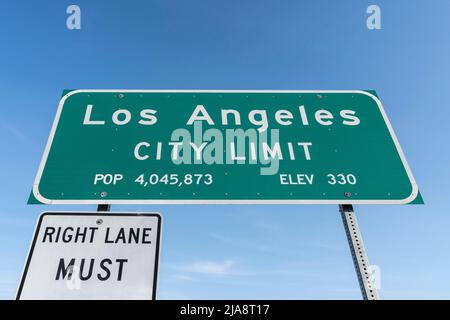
241 147
93 256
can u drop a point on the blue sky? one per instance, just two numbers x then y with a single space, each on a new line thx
237 252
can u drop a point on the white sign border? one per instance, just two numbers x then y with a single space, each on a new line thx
42 199
94 213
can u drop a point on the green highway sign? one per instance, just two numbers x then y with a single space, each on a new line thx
221 147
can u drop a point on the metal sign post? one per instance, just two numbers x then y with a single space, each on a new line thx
360 260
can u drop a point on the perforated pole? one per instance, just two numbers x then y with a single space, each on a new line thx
360 260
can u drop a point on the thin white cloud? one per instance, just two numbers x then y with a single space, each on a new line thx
182 277
270 227
13 130
7 290
186 272
244 243
250 243
209 267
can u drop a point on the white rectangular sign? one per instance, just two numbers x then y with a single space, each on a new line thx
81 255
